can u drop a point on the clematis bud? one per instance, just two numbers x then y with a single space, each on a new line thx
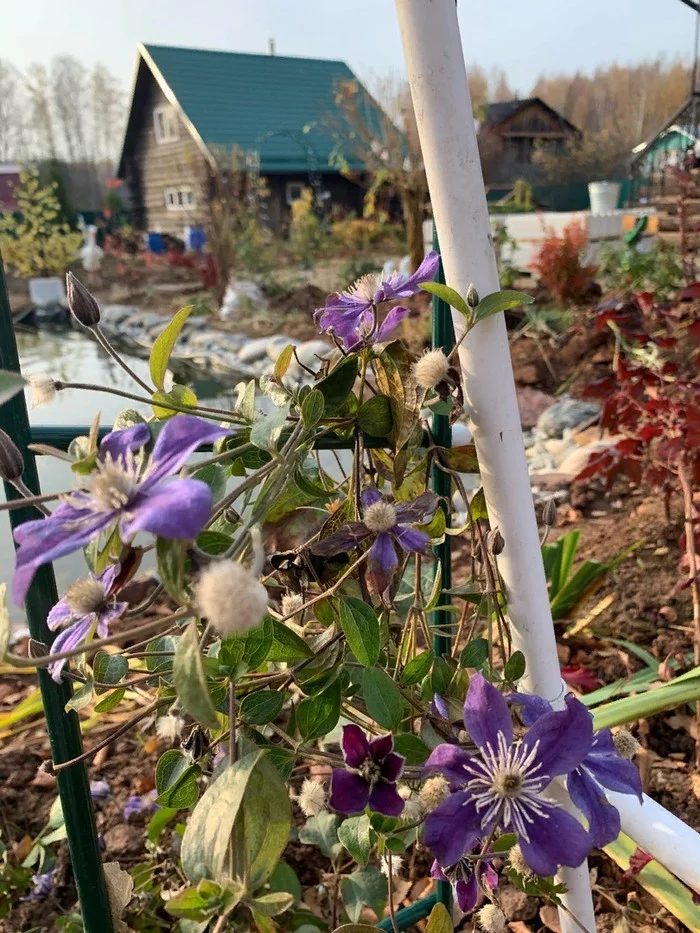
82 305
549 513
11 462
495 542
472 296
230 596
431 368
492 919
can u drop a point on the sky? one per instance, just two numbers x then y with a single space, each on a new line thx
525 37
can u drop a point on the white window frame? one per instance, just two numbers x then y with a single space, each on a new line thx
165 124
290 187
180 198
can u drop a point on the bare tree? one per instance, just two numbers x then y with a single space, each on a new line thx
41 114
12 128
108 114
68 87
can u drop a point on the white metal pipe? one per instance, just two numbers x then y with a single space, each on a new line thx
658 832
438 80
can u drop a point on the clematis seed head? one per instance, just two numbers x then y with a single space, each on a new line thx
169 727
11 462
380 516
85 596
291 604
492 919
517 862
312 798
435 790
43 389
82 305
431 369
231 597
626 744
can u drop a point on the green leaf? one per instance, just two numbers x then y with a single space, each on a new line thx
384 701
318 715
268 820
515 667
178 395
364 888
360 626
436 589
156 663
354 833
82 696
110 701
163 346
462 459
283 361
176 780
336 387
214 542
270 905
262 707
258 643
439 920
286 644
312 408
374 416
214 475
11 384
475 654
669 695
441 676
477 506
284 878
170 560
322 831
395 379
500 301
417 668
504 843
158 822
205 841
191 905
109 669
449 295
413 749
190 680
266 431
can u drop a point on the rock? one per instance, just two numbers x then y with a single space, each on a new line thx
516 905
565 414
310 350
123 840
276 344
241 297
112 315
254 350
531 404
578 458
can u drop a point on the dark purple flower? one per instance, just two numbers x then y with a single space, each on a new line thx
352 315
391 524
504 786
99 790
41 887
372 770
144 803
602 767
125 489
465 880
88 607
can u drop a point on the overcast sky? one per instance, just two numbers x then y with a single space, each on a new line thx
525 37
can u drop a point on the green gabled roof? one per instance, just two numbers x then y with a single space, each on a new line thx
249 100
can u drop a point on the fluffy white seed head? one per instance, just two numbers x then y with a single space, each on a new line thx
412 809
43 389
396 865
492 919
431 368
626 744
169 728
291 604
312 797
433 793
85 596
229 596
517 862
380 516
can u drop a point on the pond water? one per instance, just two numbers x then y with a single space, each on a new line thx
72 356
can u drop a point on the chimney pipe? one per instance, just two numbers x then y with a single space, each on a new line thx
271 46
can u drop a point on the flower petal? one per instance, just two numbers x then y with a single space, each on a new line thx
486 713
349 792
411 539
69 639
109 615
589 797
59 615
380 747
385 799
392 766
118 443
531 707
179 437
610 769
452 828
555 839
437 872
390 323
398 287
418 510
467 893
382 561
563 739
179 509
451 761
346 537
355 746
369 495
108 576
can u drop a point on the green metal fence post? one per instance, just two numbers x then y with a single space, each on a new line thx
63 727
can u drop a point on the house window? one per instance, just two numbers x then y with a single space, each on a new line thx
294 191
180 199
165 124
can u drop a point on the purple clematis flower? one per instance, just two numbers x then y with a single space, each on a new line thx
602 767
373 769
87 607
352 315
125 489
504 786
140 803
390 523
100 790
41 887
465 880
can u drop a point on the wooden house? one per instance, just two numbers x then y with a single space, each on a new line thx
187 104
510 132
9 182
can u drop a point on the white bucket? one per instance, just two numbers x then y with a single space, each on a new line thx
604 196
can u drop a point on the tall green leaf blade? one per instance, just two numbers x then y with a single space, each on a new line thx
576 588
643 705
163 346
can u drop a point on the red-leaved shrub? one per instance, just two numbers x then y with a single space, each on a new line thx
559 264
